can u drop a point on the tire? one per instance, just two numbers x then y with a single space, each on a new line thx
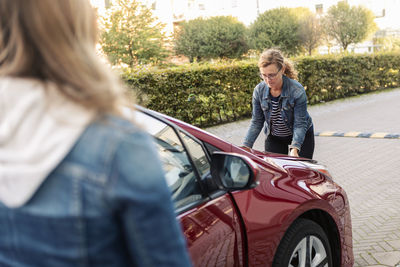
293 250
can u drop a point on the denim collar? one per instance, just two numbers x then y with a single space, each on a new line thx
285 88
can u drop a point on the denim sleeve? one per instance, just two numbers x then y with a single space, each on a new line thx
300 122
257 120
143 204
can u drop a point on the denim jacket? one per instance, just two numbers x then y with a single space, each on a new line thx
106 204
293 105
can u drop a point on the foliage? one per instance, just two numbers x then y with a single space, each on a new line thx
330 77
208 94
216 37
349 25
276 28
131 34
311 31
200 94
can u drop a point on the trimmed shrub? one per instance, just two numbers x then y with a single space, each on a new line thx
203 95
331 77
212 94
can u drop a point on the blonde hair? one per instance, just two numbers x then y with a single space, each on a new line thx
54 40
274 56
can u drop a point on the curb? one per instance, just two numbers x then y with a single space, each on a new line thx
378 135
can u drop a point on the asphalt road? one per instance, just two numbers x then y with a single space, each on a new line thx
368 169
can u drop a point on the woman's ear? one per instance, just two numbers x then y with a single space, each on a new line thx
283 69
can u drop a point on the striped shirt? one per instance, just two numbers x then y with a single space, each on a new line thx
278 126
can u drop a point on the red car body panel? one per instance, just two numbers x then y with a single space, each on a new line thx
213 233
245 227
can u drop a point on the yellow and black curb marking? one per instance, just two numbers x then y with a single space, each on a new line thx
359 134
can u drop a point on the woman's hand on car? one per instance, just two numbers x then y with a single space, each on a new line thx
294 152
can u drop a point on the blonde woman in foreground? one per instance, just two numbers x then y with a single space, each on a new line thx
79 185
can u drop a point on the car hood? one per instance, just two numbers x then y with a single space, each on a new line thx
283 162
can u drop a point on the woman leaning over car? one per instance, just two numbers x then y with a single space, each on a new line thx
79 185
280 104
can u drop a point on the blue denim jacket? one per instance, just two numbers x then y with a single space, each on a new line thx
105 204
293 104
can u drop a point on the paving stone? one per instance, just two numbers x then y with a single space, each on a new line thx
386 246
378 248
387 258
359 262
368 258
395 244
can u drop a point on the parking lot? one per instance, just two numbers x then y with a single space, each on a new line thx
368 168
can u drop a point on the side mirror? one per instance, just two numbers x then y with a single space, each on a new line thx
233 171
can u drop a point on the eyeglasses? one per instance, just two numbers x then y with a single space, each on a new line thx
270 76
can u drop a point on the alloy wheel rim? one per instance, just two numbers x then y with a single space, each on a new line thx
309 252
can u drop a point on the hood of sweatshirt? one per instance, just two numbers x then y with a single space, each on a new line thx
38 127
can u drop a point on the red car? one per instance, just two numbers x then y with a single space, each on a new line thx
249 208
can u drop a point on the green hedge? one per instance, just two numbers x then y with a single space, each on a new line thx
212 94
203 95
332 77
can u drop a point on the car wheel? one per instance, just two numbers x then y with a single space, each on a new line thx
305 244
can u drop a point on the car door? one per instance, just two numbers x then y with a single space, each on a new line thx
209 220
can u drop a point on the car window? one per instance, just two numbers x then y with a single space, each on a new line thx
179 173
198 155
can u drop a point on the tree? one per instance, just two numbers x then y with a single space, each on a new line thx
276 28
311 32
132 34
349 25
216 37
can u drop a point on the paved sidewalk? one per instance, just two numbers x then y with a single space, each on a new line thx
368 169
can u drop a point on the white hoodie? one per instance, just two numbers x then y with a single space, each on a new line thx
38 127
